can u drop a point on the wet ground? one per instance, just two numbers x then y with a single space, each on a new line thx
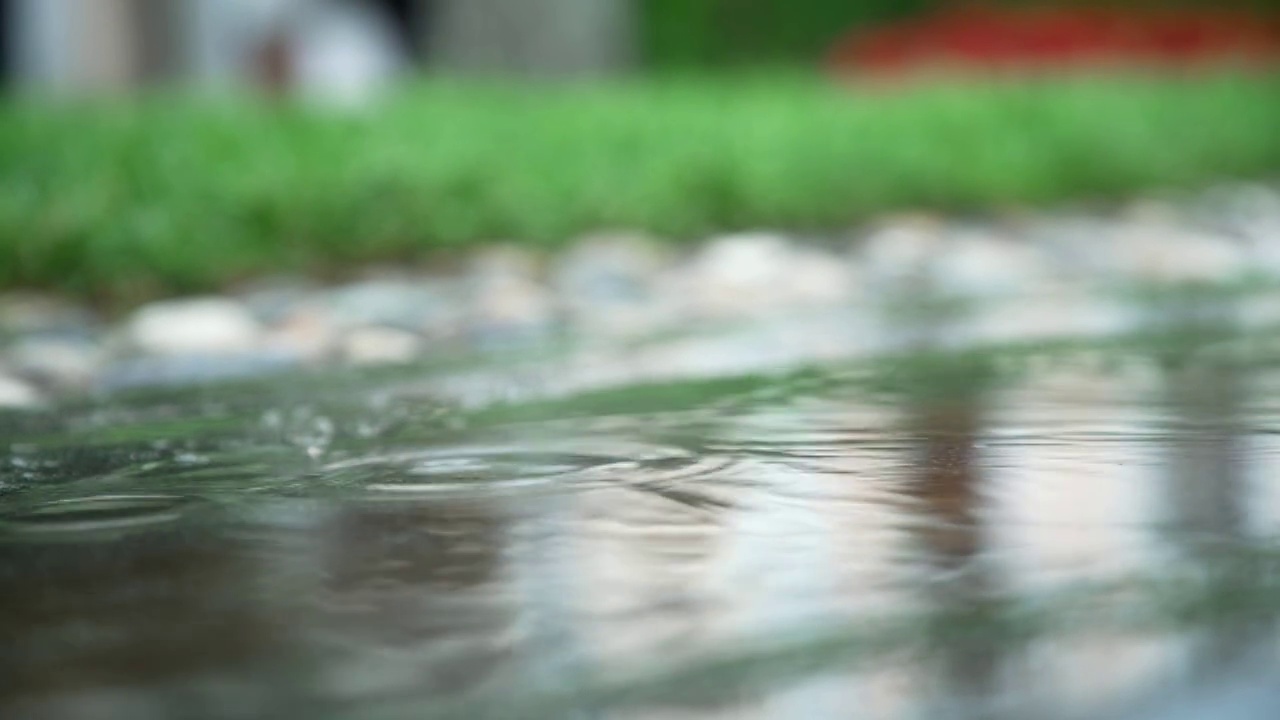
1058 529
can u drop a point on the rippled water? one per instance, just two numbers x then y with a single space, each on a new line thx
1083 531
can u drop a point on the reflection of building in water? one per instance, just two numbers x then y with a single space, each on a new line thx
1074 498
643 545
947 486
1100 484
1207 502
1204 454
548 583
1075 483
152 625
672 563
809 542
644 559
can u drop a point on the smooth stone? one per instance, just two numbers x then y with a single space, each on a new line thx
380 345
433 307
1051 316
172 370
509 302
1249 210
748 274
202 326
1080 248
1170 255
980 264
274 300
16 394
24 313
896 256
817 278
745 261
59 361
612 285
615 268
308 331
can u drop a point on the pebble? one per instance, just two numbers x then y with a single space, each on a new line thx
16 394
22 313
1053 315
308 331
272 301
817 278
416 305
897 256
612 285
1248 210
743 275
1170 255
1078 246
509 301
67 363
906 279
202 326
380 345
980 264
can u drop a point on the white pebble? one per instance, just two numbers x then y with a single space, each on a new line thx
212 326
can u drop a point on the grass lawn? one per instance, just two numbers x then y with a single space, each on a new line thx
129 201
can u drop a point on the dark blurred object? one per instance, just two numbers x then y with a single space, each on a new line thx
273 64
6 43
990 37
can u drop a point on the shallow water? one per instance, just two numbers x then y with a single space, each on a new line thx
1077 531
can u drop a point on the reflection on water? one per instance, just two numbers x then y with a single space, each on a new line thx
971 535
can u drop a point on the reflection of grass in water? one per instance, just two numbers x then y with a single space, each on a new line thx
129 201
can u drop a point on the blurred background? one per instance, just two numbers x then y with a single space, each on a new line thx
815 309
153 149
344 47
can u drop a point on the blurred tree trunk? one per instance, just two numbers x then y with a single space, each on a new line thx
532 38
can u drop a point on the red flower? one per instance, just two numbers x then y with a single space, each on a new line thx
987 38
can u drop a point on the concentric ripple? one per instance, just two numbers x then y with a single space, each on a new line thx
496 468
100 514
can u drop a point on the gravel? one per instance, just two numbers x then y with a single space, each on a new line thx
1034 275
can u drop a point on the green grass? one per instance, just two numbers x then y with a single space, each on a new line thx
128 201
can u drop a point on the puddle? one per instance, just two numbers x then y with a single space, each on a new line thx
1074 531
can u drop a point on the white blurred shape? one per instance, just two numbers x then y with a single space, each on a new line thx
345 53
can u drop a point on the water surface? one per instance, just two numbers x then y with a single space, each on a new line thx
1076 531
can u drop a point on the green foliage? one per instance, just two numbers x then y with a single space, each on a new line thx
715 33
173 195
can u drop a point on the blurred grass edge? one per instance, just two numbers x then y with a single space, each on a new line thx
127 201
